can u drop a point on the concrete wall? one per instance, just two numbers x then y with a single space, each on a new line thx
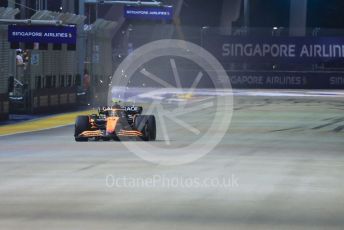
4 72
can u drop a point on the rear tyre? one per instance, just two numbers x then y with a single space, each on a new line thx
82 124
152 123
146 124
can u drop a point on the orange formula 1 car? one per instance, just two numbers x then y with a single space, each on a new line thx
116 123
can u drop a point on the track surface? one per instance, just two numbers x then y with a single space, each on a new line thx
287 154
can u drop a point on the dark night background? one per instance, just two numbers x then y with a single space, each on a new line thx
266 13
54 5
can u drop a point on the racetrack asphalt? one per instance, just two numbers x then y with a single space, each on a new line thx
284 155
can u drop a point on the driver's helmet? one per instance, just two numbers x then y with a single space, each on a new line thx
116 106
101 110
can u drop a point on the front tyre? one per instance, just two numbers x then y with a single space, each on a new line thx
146 124
82 124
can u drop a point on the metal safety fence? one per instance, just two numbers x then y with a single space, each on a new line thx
7 69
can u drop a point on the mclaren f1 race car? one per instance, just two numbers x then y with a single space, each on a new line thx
116 123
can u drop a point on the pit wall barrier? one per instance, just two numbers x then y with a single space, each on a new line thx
51 100
4 107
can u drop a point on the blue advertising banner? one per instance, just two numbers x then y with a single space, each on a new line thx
42 34
286 80
276 49
152 13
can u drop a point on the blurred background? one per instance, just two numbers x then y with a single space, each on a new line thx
47 77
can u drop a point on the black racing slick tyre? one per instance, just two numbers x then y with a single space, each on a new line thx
147 125
81 124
